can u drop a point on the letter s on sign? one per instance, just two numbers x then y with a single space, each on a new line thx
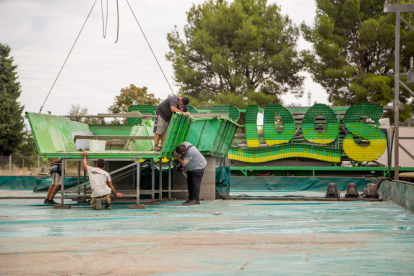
376 138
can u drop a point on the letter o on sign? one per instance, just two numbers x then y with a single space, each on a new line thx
308 125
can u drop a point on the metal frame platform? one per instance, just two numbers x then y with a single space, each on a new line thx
139 165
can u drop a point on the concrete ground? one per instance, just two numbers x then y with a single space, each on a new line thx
233 237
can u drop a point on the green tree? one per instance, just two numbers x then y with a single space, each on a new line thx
27 146
131 95
236 53
11 119
353 52
28 149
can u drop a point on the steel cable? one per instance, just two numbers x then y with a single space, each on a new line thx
104 26
117 31
150 47
41 108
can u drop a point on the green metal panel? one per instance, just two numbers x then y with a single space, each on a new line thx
139 145
175 133
208 135
221 142
194 132
51 133
110 129
147 109
233 111
77 126
219 138
53 136
228 139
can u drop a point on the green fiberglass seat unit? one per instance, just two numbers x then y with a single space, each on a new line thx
210 135
57 137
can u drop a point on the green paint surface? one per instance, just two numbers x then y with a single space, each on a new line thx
220 237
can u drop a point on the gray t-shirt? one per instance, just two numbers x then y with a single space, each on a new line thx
197 160
164 108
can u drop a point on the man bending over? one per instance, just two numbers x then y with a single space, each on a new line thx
101 183
163 116
195 163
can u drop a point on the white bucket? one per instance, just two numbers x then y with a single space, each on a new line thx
97 146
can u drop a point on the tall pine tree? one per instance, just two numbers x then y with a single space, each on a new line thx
11 119
353 52
236 52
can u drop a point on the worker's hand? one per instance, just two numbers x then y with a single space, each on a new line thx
85 154
118 195
176 154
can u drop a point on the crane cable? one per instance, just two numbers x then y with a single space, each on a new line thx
150 47
117 30
104 35
104 26
41 108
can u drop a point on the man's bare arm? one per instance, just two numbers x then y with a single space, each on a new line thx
113 189
183 162
84 163
174 109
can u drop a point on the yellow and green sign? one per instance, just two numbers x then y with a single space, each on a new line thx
280 145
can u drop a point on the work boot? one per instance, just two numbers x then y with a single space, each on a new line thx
192 202
51 202
185 202
108 206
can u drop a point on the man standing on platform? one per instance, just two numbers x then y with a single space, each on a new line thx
55 172
163 116
195 163
101 183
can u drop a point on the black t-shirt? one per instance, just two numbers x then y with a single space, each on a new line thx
164 108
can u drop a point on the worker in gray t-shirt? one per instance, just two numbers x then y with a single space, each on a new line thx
192 159
163 116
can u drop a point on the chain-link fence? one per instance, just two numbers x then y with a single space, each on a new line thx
30 165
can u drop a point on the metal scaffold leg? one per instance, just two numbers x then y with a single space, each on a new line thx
160 181
62 190
169 182
153 201
81 199
138 178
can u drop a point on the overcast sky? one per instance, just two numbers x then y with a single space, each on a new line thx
41 33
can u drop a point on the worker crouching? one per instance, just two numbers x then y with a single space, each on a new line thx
101 183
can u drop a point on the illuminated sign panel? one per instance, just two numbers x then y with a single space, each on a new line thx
280 148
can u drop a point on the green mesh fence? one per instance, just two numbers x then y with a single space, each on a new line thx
146 109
